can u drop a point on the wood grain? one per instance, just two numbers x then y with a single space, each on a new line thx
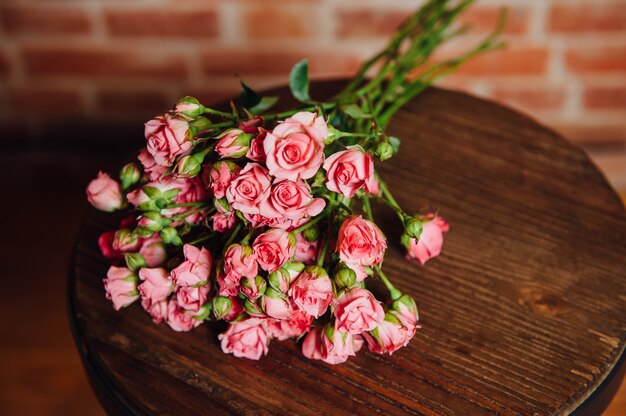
524 313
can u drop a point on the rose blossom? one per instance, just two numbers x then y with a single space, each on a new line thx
253 287
256 151
251 126
105 193
179 319
195 270
295 148
295 325
233 143
167 137
191 190
330 346
150 167
226 287
305 250
430 241
192 298
350 170
125 241
105 242
275 304
221 175
223 223
247 339
153 251
157 285
312 291
357 310
249 189
291 200
121 287
158 311
273 248
397 329
360 243
239 261
163 185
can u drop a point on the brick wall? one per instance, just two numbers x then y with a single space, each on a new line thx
123 61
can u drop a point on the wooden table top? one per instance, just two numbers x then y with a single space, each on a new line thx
523 313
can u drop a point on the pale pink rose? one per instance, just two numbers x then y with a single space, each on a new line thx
121 287
256 151
260 221
150 167
124 240
233 143
291 200
430 242
246 339
350 170
275 304
295 325
273 248
195 270
249 189
179 319
393 333
295 148
312 291
360 243
357 310
257 220
311 346
105 242
192 298
227 287
157 310
157 285
221 175
239 261
306 251
167 137
223 223
153 251
334 350
105 193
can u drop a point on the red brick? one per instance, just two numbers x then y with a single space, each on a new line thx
162 23
596 60
522 61
599 16
368 23
133 103
270 21
30 19
102 62
605 98
483 19
44 100
530 97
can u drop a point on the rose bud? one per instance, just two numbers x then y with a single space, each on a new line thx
337 346
345 277
393 333
312 291
192 298
252 308
179 319
223 223
188 166
125 240
134 261
168 137
121 287
413 227
349 171
239 261
274 248
383 151
246 339
169 235
357 310
281 279
105 193
158 311
233 144
222 306
276 304
406 306
360 243
220 176
129 175
311 234
189 107
157 285
430 241
253 287
152 221
195 270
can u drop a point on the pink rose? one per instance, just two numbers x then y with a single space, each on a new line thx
329 345
291 200
249 189
223 223
195 270
312 291
190 190
273 248
179 319
430 241
256 151
192 298
396 330
153 251
295 148
306 251
167 137
275 304
357 310
253 287
360 243
350 170
105 193
233 143
221 175
150 167
295 325
235 310
105 242
121 287
251 126
157 310
125 241
157 285
247 339
226 287
166 185
239 261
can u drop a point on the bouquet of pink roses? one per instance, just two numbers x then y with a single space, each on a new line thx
264 220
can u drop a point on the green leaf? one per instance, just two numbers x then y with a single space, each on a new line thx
354 111
151 191
249 98
263 105
299 81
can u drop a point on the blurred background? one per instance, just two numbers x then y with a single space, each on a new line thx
78 79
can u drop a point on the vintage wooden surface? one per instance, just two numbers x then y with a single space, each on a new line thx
524 313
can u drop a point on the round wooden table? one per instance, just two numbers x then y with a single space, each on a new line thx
524 313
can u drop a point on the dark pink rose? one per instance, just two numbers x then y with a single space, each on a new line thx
246 339
251 126
256 151
222 174
121 287
195 270
179 319
357 310
167 137
350 170
360 243
125 241
273 248
249 189
157 285
105 193
312 291
430 241
105 242
223 223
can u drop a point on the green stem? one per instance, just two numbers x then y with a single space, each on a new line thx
276 116
233 236
314 221
322 255
220 125
246 239
393 292
204 238
219 113
367 208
